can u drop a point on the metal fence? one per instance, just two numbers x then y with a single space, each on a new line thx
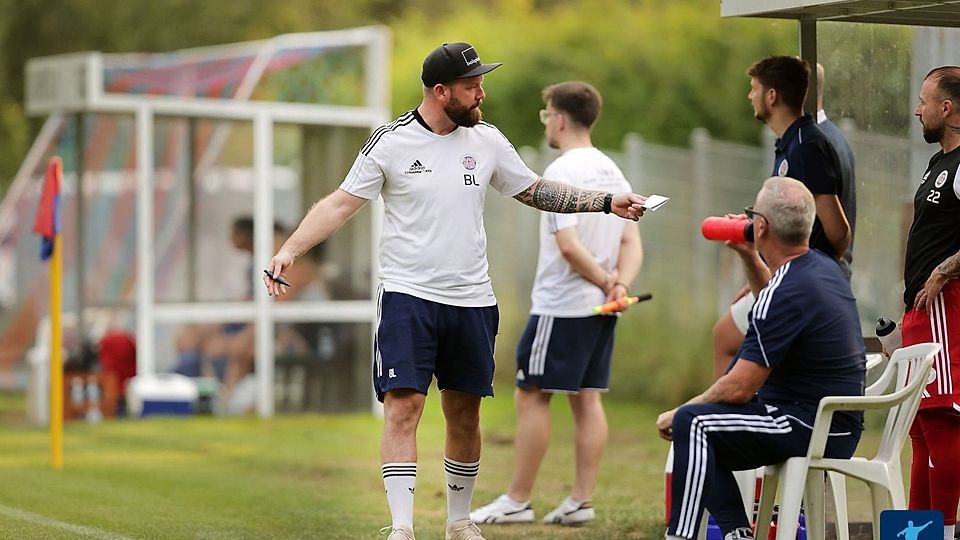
712 177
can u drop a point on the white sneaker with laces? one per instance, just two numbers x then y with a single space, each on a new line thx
398 532
571 513
464 529
503 510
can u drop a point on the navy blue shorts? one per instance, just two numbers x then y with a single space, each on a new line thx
418 339
565 354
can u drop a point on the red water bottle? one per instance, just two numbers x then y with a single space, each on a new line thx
737 230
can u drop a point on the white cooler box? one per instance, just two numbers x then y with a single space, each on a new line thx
162 393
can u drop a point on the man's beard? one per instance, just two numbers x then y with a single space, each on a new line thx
933 135
763 114
462 115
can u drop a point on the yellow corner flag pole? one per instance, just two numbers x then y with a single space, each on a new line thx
56 357
50 199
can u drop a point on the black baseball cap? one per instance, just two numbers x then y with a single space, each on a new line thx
452 61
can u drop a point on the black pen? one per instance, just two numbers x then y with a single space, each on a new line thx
279 279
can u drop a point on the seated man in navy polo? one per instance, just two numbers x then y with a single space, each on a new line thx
803 342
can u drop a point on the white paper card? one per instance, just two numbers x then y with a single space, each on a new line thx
654 202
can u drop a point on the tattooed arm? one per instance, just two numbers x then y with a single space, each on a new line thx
950 268
944 272
561 198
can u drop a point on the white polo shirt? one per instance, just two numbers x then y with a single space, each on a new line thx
558 290
433 244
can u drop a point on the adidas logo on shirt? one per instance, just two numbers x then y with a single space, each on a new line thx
417 168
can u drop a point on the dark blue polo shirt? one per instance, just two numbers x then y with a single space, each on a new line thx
804 326
848 184
805 153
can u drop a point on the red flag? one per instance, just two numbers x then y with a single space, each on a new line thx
47 223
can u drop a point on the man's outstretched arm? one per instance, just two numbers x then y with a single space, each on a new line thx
561 198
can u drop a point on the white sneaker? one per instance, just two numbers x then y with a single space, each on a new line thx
570 513
503 510
464 529
398 532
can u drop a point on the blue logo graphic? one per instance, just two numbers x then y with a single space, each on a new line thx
911 525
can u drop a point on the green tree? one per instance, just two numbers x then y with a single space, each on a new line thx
663 67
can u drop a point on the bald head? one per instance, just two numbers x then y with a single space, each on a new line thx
947 81
789 208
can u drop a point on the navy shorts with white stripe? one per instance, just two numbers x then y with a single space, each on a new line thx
558 354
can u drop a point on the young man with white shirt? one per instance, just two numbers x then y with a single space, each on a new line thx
437 313
583 262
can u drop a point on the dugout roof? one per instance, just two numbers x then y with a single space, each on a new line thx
941 13
909 12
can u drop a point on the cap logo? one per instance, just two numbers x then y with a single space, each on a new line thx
470 56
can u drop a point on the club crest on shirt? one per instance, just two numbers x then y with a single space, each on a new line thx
469 162
783 168
941 179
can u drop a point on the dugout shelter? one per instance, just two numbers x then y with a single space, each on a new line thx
161 152
933 39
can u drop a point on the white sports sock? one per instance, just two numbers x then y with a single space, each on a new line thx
948 531
461 477
400 482
516 505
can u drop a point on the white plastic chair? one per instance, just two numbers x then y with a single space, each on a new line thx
802 478
837 481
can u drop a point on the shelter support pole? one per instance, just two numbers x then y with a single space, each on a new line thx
146 350
262 252
808 52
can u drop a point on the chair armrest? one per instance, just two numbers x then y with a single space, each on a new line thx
831 404
883 382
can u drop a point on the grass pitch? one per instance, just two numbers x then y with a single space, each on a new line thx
306 476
